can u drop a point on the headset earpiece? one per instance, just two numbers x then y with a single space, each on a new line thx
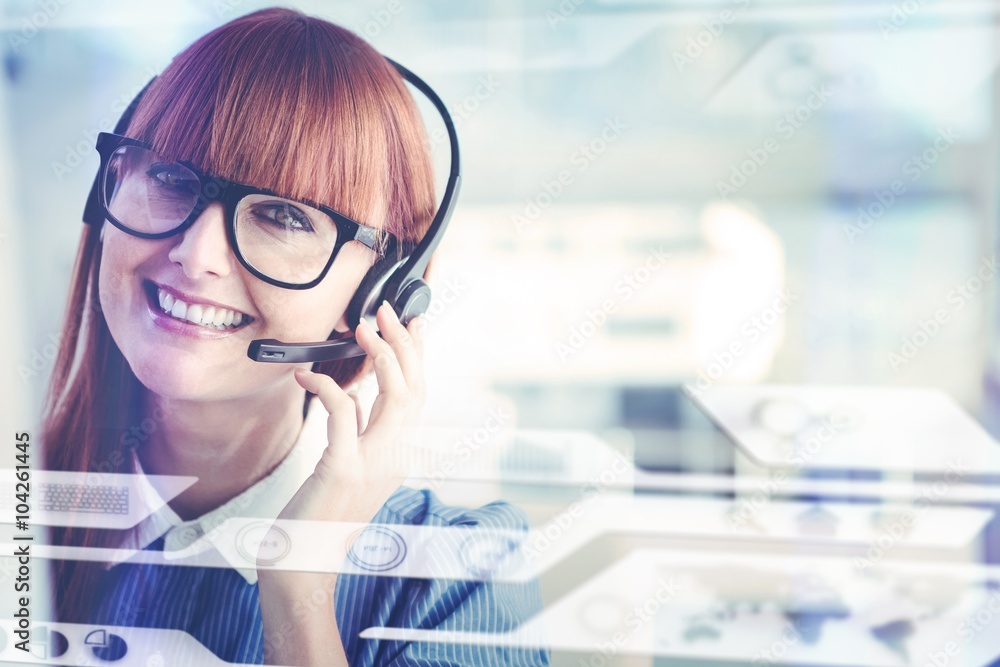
371 292
414 300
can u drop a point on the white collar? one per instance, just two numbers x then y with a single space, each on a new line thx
264 500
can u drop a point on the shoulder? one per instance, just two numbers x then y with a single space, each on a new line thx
477 606
421 507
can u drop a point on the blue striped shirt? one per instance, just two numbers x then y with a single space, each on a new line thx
219 607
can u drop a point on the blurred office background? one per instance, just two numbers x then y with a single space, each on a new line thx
655 192
842 154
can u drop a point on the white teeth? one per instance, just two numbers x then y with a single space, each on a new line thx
212 317
194 314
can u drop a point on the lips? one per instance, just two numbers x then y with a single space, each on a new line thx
206 314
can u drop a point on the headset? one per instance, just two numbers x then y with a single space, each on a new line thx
399 282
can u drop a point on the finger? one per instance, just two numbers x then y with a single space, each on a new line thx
418 328
388 374
358 413
342 426
404 343
393 398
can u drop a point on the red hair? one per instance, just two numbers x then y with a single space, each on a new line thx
277 99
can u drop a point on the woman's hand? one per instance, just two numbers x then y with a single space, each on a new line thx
355 476
360 470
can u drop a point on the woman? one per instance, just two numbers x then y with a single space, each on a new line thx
160 322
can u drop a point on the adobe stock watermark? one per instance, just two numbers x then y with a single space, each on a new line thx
634 620
967 629
893 532
75 153
470 445
957 298
98 474
41 358
486 86
796 630
898 17
625 288
752 330
582 158
913 168
564 10
31 24
377 21
541 540
785 128
705 38
380 19
275 637
805 450
441 298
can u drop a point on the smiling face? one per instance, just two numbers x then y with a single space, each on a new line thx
179 359
233 105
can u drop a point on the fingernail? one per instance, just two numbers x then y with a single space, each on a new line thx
385 303
362 323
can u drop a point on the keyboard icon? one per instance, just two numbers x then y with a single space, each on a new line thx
87 500
83 498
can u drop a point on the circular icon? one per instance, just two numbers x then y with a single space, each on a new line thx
484 555
603 613
376 548
785 417
106 646
58 644
47 643
262 543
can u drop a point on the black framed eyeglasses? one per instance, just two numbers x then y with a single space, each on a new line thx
288 243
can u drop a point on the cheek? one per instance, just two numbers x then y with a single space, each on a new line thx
314 313
115 261
315 316
119 288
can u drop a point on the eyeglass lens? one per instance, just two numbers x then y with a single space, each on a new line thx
285 240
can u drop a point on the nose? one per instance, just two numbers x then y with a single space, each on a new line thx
203 249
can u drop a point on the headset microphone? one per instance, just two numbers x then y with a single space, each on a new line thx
400 282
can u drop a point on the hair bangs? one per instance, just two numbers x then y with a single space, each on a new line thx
270 106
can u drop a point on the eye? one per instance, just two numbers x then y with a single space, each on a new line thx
283 216
173 177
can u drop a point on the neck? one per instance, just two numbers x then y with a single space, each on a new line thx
228 445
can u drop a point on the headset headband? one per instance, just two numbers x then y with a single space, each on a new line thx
400 283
